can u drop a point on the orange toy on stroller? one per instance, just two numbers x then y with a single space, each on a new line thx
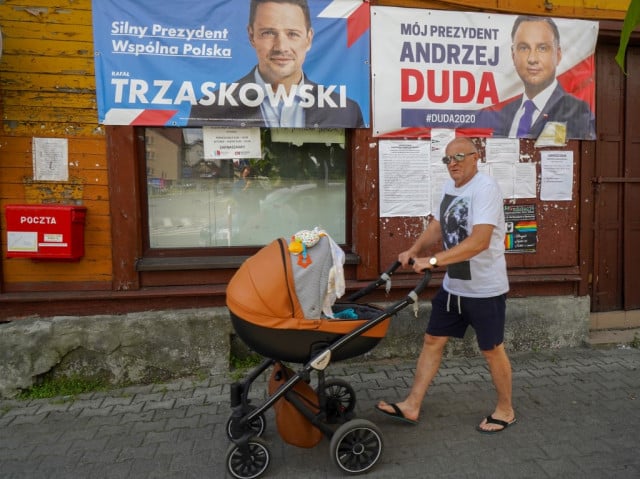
278 306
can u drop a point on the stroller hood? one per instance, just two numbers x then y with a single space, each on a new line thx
263 292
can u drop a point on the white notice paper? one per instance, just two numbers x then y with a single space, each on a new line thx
504 173
230 143
50 159
502 150
439 175
440 138
556 182
516 180
525 180
404 178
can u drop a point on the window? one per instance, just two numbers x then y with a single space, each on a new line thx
299 182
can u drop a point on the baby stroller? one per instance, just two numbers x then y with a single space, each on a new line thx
269 303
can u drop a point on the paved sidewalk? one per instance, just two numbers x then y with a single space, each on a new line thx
578 417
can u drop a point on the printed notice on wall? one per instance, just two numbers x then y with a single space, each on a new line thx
556 179
522 228
404 178
50 159
502 150
229 143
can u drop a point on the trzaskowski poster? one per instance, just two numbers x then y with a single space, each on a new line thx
219 63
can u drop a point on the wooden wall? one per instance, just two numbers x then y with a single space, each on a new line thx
47 89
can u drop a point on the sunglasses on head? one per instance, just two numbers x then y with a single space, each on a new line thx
458 157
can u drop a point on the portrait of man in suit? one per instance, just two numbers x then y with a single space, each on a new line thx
277 92
536 54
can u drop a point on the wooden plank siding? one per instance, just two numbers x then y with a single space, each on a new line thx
47 89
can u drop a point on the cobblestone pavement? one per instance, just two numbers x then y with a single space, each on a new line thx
578 417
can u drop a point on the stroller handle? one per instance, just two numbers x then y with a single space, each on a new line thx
385 278
422 285
382 279
392 269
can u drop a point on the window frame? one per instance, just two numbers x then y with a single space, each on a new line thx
136 265
216 251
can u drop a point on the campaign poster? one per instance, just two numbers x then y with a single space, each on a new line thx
165 63
463 70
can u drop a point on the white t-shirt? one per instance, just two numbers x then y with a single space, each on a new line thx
477 202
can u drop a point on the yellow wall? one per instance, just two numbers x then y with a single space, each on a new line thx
47 89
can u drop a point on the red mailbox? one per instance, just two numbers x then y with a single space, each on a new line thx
45 231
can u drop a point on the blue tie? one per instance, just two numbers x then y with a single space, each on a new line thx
525 122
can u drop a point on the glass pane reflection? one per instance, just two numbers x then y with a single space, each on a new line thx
197 202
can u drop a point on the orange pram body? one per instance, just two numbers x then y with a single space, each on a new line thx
267 315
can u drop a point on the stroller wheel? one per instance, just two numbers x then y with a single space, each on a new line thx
257 425
341 400
356 446
248 461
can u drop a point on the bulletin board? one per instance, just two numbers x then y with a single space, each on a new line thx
556 238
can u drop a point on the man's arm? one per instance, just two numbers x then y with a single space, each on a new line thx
431 235
475 243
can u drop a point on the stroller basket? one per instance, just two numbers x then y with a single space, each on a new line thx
268 316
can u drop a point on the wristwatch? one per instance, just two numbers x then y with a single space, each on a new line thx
433 261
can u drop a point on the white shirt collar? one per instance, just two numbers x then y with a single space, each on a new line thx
281 115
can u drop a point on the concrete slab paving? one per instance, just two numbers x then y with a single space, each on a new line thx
578 415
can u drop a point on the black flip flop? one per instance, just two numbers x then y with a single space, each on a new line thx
491 420
397 414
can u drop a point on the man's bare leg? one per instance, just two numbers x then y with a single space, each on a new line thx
500 369
426 369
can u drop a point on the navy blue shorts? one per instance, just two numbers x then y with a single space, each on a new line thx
451 315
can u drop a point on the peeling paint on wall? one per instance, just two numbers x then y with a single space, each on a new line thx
50 192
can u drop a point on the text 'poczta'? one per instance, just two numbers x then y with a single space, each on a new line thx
38 220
